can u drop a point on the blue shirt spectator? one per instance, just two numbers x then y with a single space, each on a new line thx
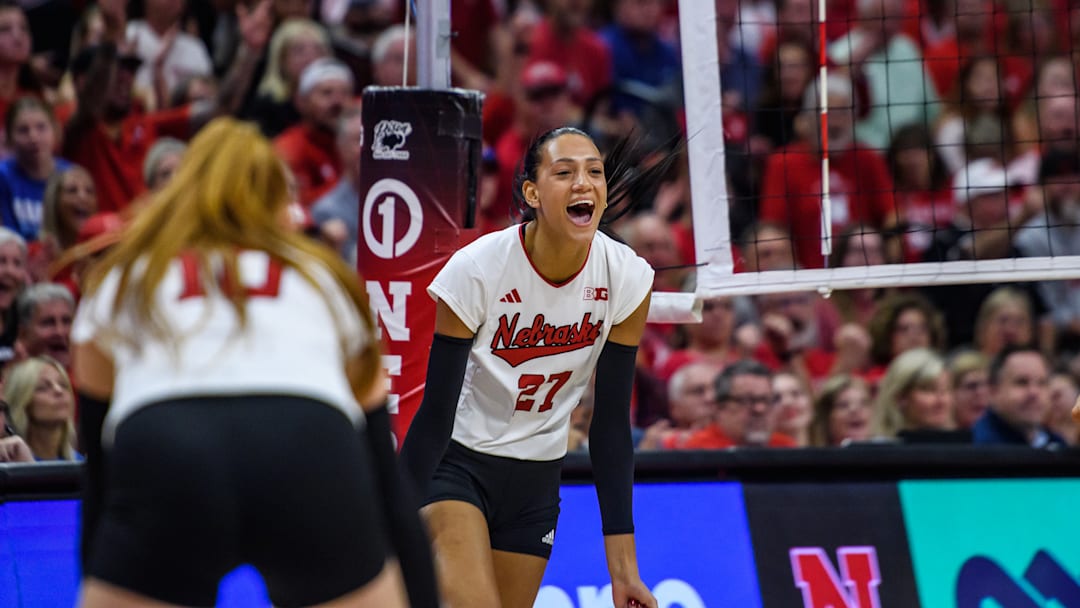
21 198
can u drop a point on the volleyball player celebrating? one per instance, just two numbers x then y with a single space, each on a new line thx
524 317
234 352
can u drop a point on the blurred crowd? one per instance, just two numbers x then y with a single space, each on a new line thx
951 134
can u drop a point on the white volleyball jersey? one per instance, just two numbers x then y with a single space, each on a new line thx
291 344
537 343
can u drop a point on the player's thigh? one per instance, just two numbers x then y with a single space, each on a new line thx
518 577
385 590
96 593
459 534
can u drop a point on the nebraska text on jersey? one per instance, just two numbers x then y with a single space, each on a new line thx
516 346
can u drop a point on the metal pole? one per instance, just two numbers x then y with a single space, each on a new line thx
433 44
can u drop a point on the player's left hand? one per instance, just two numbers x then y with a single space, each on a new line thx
632 594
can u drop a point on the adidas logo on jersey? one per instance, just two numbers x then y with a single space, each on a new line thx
511 297
549 538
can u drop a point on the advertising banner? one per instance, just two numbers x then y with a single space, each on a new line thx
830 546
39 553
693 548
999 543
417 190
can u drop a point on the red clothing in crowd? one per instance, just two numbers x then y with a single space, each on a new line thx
508 153
115 161
922 212
860 186
583 55
713 438
312 156
498 116
819 362
472 22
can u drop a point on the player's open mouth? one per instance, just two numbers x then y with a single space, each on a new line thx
581 212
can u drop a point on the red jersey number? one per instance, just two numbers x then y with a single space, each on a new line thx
531 383
193 287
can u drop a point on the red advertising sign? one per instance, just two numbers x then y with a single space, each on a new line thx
417 193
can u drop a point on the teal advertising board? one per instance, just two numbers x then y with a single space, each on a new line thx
994 543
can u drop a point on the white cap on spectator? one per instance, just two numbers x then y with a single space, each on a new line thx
978 178
323 70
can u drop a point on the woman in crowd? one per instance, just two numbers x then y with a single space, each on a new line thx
923 194
1063 395
842 412
915 395
161 162
42 408
1004 319
13 278
70 199
978 94
296 43
903 321
795 409
970 372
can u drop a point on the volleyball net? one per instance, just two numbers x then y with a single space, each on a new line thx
837 144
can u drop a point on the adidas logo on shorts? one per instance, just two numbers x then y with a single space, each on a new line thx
549 538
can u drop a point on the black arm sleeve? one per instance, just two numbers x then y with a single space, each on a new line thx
611 448
429 433
407 533
91 419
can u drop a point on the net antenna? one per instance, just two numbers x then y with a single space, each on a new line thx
826 198
710 199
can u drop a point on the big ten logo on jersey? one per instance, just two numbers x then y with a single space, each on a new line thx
669 593
1045 583
194 287
390 236
855 586
596 293
389 308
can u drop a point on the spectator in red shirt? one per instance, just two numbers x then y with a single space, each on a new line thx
973 35
310 148
651 237
746 411
475 24
791 337
543 103
16 79
110 137
712 340
564 38
859 184
923 195
691 406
